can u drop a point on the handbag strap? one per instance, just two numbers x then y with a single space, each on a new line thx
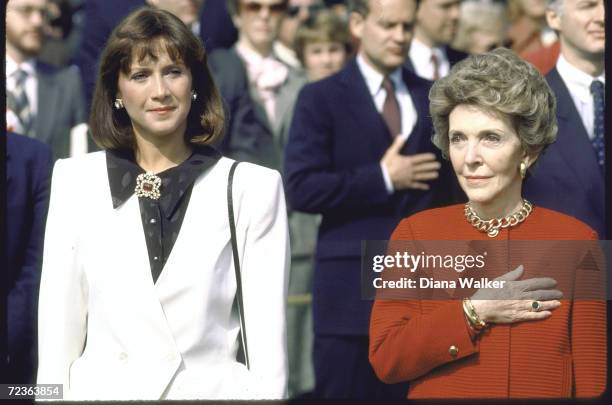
243 351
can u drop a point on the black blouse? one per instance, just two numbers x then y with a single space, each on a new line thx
161 218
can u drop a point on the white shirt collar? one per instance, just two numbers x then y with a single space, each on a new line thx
28 66
195 28
420 51
374 79
576 80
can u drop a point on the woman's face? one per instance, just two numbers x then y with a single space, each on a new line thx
486 154
322 59
156 94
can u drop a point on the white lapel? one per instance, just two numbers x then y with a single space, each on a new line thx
123 269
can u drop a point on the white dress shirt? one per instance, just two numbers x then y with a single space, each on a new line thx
31 82
408 112
420 56
579 85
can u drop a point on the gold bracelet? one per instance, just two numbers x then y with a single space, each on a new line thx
478 323
472 316
472 321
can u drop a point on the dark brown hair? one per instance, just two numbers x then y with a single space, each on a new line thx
145 33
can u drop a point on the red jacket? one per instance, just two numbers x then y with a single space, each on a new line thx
559 357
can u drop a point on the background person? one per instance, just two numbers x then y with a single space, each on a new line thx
570 176
137 258
482 26
64 32
528 30
298 11
360 154
47 100
323 44
430 54
505 343
273 85
28 171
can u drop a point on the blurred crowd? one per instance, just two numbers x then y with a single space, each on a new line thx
262 54
309 37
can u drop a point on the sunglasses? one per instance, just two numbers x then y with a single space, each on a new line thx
255 7
293 11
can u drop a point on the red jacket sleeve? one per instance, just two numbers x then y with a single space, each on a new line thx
409 338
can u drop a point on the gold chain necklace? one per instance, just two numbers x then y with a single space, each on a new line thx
492 226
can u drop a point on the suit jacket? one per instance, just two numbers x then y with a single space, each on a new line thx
60 106
28 170
248 137
177 338
332 167
265 142
567 177
565 353
283 109
453 55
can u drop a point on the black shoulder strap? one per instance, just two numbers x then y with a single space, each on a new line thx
243 354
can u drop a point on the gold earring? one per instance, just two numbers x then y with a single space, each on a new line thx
523 169
118 103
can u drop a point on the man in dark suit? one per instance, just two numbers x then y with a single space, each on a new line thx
430 55
28 169
569 177
48 101
360 153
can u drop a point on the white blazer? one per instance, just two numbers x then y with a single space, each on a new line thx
106 331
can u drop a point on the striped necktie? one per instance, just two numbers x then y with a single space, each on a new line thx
18 101
597 89
435 63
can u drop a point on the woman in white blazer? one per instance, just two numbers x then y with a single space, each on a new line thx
138 293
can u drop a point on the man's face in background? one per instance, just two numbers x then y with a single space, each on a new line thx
437 21
25 24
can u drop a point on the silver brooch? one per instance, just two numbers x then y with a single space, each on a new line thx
147 185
